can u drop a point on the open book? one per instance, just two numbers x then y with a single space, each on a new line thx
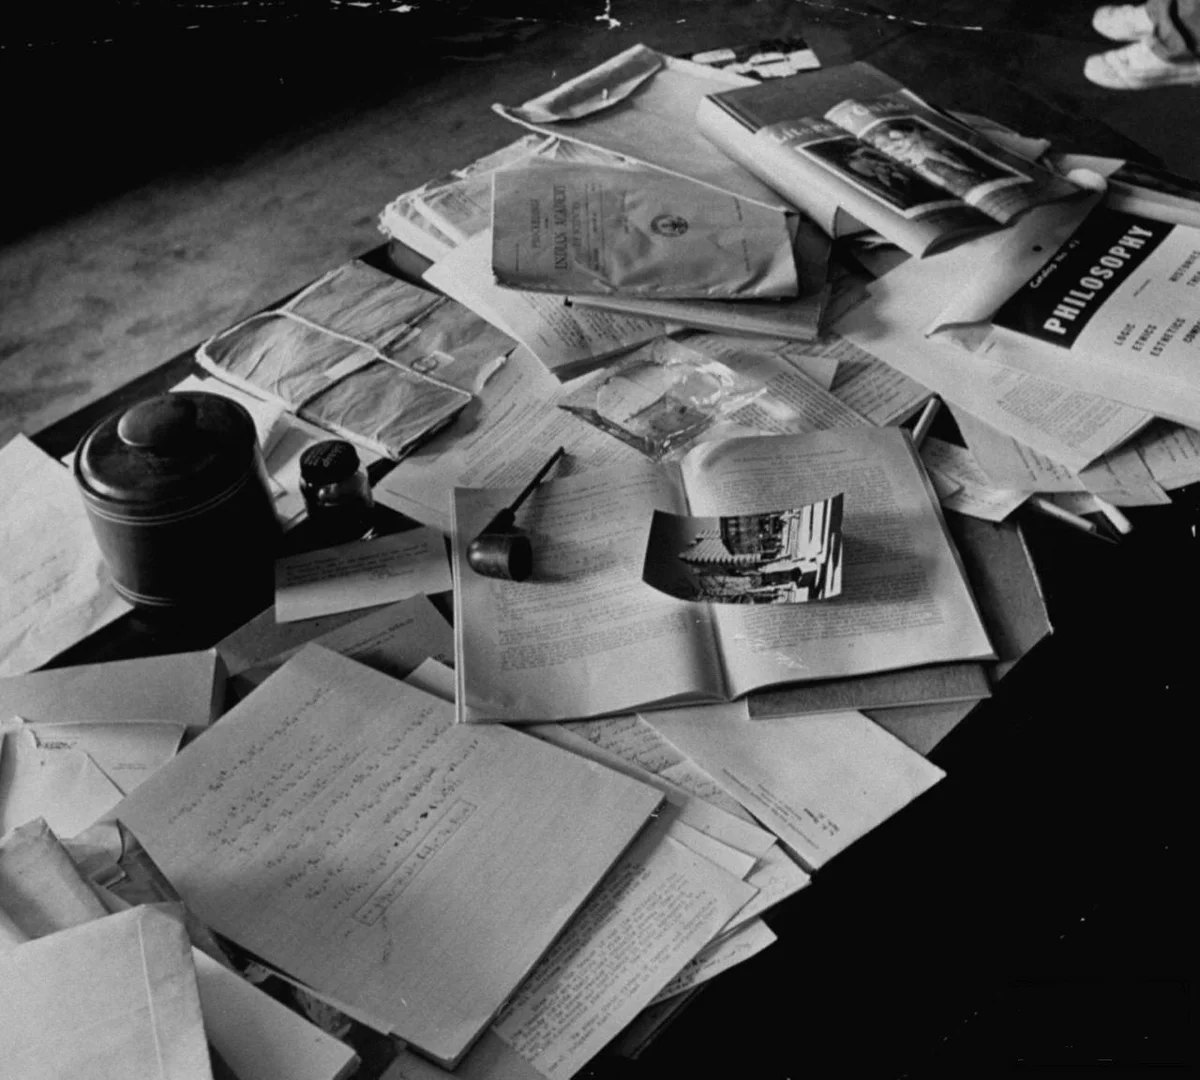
855 150
586 636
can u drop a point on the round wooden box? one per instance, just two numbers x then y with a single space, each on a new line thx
179 500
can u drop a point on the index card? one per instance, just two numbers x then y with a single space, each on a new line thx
365 573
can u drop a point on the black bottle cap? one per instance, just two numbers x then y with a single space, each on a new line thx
328 462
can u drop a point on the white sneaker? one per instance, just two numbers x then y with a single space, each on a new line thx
1123 22
1137 67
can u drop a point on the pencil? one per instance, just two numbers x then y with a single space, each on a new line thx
1115 518
925 421
1052 509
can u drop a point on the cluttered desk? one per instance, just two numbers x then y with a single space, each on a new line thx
688 556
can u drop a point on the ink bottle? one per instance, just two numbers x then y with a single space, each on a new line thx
337 494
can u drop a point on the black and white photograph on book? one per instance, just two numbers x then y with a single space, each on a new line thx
783 557
463 612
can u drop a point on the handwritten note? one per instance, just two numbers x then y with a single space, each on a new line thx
341 825
363 574
54 586
656 910
650 917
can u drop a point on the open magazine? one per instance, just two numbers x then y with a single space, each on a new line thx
856 150
587 636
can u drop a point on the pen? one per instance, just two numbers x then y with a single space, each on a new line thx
1116 519
1052 509
925 421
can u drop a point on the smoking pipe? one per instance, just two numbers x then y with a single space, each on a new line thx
501 550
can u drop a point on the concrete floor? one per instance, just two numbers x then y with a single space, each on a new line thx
167 182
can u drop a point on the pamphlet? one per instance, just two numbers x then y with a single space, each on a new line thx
584 228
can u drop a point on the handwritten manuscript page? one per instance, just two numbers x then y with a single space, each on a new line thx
339 824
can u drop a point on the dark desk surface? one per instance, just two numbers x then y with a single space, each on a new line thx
1029 910
1033 899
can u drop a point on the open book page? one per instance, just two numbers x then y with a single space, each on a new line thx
949 154
337 823
904 600
818 782
585 636
499 441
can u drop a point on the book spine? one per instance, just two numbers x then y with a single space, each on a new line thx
737 134
736 112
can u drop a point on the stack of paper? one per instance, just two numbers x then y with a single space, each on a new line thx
341 826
